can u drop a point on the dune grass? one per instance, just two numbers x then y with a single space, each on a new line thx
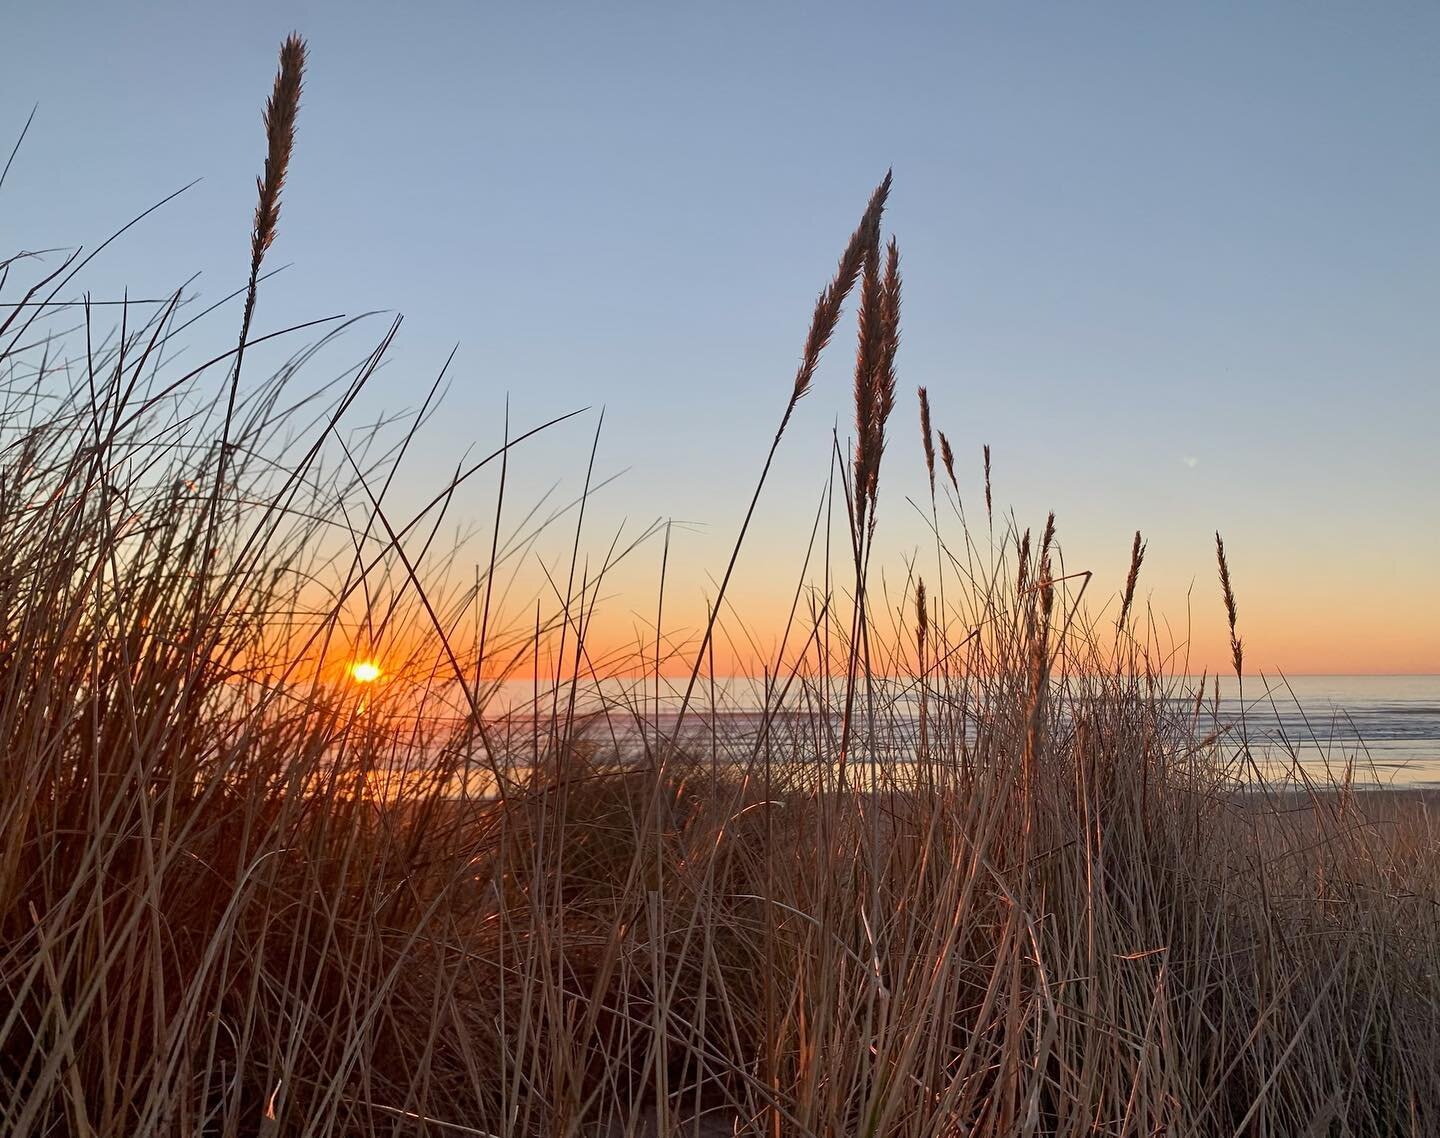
971 862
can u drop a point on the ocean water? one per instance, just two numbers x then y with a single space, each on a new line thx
1387 726
1377 730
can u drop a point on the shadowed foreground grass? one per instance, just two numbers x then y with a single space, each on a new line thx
977 867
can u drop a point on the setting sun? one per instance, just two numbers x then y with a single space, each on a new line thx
365 672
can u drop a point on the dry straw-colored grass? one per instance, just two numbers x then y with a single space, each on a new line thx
991 874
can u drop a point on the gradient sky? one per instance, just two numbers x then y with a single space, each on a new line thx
1178 264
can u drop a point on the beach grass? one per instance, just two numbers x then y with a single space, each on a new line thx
965 859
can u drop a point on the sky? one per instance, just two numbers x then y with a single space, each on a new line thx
1178 265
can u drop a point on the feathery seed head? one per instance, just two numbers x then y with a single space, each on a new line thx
947 455
1237 653
870 339
989 512
1137 555
927 438
832 297
879 340
281 111
922 619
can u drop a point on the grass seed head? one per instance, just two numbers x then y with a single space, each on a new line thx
281 111
947 455
927 438
1237 652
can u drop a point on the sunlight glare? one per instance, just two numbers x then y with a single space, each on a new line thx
364 672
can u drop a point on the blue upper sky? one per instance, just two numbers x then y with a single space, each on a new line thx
1178 264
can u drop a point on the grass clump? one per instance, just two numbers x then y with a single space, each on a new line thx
957 865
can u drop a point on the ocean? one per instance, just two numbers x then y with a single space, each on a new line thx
1376 730
1389 726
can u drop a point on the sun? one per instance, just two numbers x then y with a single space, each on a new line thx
365 672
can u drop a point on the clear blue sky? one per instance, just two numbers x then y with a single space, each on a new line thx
1178 264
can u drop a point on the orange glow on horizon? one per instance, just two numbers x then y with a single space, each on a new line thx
1291 625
